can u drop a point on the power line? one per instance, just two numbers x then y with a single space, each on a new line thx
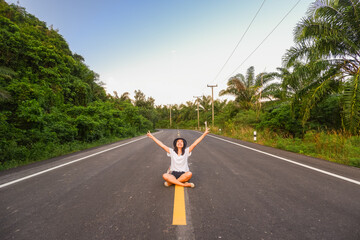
265 38
232 53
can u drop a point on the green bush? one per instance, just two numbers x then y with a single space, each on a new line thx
280 120
246 118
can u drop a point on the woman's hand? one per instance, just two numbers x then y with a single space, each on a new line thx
149 134
207 131
158 142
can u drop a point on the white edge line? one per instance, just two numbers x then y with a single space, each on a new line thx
68 163
293 162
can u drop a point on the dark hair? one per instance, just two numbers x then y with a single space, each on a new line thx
176 148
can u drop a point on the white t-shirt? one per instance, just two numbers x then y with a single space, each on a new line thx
179 163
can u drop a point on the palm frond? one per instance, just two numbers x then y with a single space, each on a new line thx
6 72
324 86
250 75
352 105
4 95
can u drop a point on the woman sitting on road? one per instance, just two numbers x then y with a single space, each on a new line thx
179 170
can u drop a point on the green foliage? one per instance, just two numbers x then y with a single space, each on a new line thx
279 120
328 40
248 89
246 118
351 100
327 114
51 102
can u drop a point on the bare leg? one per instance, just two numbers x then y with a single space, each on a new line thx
185 177
172 180
165 176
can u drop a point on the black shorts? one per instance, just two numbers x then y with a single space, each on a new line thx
177 174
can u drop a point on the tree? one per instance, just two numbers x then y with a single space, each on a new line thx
5 74
188 111
219 105
125 96
141 101
247 89
205 103
329 36
50 98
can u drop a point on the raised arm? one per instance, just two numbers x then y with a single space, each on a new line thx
207 130
163 146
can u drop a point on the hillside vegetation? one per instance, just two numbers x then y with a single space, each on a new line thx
50 101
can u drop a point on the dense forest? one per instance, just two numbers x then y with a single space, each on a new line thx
49 97
51 102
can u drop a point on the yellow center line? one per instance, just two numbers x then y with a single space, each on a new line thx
179 215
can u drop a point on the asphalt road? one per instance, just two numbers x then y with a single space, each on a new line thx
116 192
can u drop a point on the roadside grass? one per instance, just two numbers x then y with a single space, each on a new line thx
42 151
333 146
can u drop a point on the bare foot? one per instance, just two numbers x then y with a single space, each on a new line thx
189 185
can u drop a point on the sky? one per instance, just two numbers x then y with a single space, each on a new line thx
171 49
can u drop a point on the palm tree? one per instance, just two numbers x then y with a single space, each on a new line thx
205 108
292 80
219 105
205 103
298 84
248 89
188 110
125 97
329 38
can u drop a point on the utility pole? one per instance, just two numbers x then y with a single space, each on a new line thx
198 115
170 115
212 101
261 89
